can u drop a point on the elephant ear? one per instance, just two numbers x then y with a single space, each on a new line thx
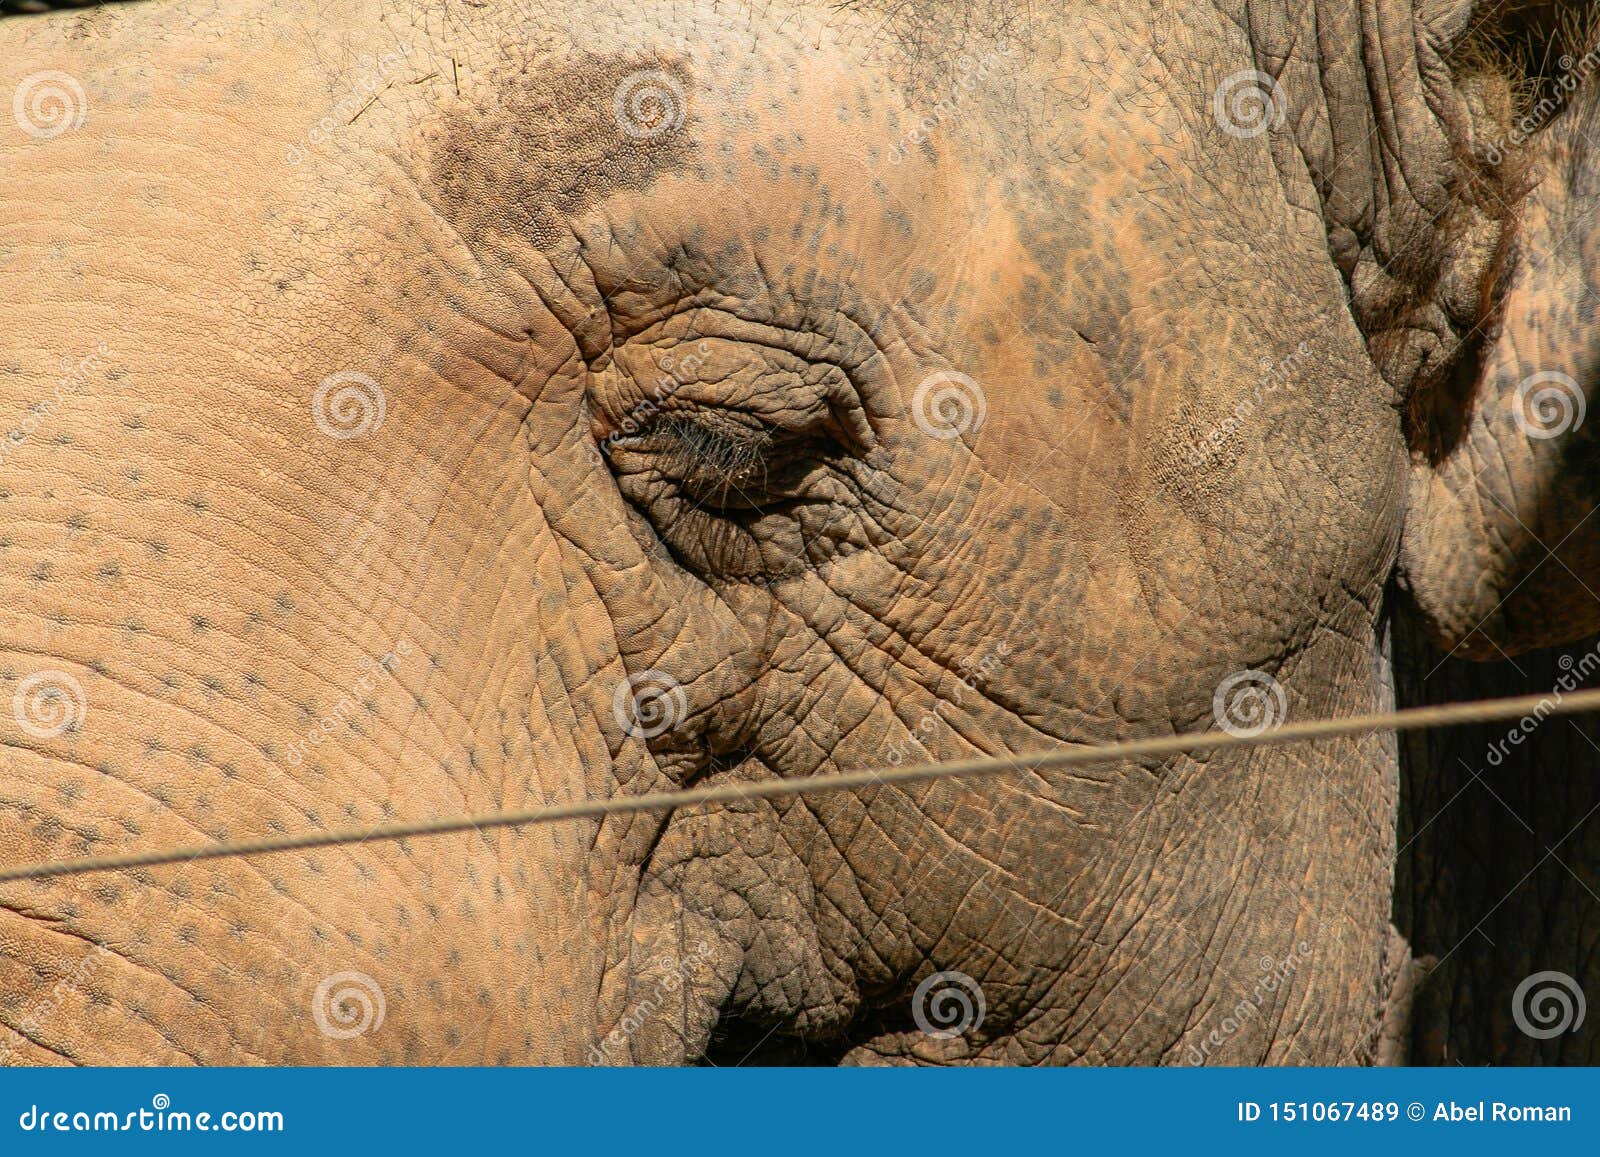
1501 552
1388 122
1510 66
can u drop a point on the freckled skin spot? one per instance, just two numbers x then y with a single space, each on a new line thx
488 150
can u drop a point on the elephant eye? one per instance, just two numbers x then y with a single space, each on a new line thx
724 456
716 457
729 462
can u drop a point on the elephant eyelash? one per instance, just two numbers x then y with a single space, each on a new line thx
728 462
715 481
723 448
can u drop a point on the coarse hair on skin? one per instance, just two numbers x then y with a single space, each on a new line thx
1518 68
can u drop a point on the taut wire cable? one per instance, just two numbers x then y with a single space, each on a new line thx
1538 707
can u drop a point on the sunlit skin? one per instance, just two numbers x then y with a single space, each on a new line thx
459 375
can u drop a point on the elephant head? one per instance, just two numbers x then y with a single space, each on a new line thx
436 410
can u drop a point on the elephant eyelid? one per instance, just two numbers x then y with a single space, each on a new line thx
725 445
726 462
729 433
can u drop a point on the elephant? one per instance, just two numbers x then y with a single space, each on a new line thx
428 409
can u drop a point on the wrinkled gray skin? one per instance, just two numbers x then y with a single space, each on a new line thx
1196 346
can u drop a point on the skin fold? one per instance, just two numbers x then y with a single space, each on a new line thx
885 386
